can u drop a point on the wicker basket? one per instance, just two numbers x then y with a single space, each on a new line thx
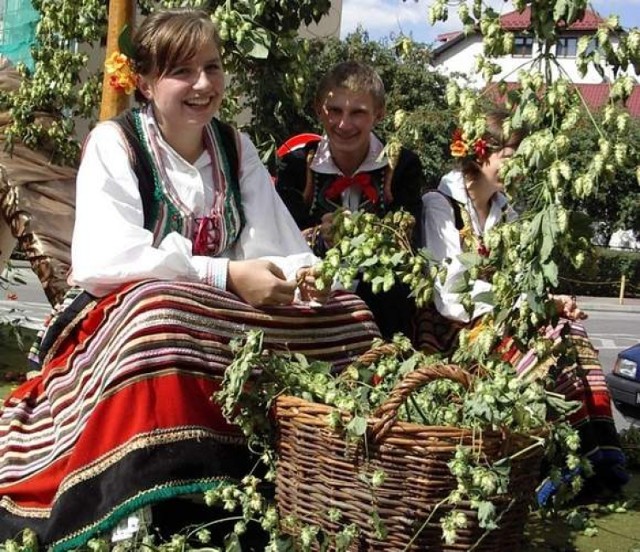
318 471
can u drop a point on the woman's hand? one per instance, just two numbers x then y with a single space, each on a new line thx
306 279
568 307
260 283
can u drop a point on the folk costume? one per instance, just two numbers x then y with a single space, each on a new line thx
451 227
311 185
121 415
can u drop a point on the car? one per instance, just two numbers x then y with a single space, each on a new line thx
624 381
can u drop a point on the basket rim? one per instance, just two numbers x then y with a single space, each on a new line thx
292 402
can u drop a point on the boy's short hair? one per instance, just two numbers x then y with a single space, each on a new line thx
354 76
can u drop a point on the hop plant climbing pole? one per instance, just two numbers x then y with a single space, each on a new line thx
120 14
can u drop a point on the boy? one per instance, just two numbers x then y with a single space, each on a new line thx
346 168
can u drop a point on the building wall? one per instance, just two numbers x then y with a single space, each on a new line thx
461 58
329 25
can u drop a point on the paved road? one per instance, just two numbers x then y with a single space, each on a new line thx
611 326
610 333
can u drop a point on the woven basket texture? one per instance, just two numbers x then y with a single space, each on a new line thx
318 470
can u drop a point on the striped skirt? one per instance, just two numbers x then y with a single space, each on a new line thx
583 381
121 414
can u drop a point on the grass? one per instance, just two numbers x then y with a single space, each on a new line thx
14 345
609 526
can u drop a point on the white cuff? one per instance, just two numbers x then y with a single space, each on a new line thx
212 270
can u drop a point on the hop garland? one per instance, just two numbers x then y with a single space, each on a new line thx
379 251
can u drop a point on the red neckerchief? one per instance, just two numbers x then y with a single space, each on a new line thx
361 180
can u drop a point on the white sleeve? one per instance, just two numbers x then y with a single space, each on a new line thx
270 231
442 239
110 245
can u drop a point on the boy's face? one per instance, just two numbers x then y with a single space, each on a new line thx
348 118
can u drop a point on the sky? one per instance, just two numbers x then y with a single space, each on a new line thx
385 18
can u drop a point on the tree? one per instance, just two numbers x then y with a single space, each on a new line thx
261 49
613 205
526 255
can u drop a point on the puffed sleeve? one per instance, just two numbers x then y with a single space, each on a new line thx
442 239
270 231
110 245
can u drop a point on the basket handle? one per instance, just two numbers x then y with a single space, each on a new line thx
388 411
376 353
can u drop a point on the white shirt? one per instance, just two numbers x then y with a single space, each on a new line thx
323 163
111 247
442 239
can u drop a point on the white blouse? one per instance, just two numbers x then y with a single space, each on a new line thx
442 239
111 247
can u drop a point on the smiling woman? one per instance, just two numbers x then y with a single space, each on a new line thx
180 245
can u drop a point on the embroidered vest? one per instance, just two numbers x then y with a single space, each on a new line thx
160 214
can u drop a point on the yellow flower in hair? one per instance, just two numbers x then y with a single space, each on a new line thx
121 75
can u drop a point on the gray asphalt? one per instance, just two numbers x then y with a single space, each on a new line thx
27 303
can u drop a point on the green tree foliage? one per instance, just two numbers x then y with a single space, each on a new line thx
60 84
613 205
261 50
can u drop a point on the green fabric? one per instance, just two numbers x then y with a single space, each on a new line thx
18 21
147 498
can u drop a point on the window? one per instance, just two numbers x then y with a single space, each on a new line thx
567 47
522 46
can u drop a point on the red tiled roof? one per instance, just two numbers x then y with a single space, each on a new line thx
445 37
516 21
595 96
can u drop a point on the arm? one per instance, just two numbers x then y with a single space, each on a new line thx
110 245
270 230
442 239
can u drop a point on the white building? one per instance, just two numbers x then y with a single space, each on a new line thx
457 55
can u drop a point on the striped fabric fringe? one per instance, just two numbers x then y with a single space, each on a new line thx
121 415
582 381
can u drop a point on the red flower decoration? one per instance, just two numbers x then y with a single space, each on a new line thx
481 149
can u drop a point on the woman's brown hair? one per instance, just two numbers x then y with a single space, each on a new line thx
167 38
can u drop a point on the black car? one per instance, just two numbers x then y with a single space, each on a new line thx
624 381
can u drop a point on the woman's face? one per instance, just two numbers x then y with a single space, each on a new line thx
189 94
490 169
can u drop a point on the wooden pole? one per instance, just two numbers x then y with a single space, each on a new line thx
623 281
120 14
